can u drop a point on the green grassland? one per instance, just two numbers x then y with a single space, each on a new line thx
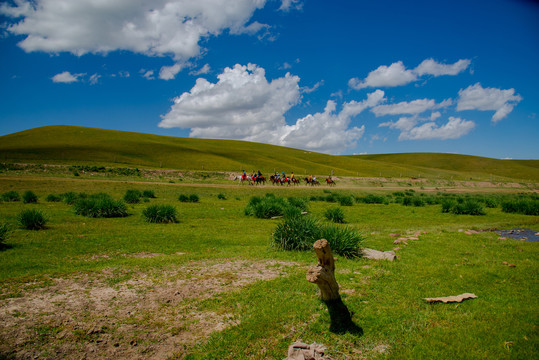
201 288
385 297
81 145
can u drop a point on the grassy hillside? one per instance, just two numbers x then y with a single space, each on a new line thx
81 145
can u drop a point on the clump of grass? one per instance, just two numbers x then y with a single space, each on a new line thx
189 198
69 197
53 198
32 219
160 214
299 233
100 206
5 231
270 206
522 206
29 197
132 196
343 240
149 194
335 214
296 233
465 207
11 196
221 196
372 199
346 200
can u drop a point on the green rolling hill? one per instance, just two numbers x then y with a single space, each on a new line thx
89 146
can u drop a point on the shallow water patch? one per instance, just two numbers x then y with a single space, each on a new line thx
519 234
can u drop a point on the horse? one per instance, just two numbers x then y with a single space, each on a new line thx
311 182
275 180
241 179
331 182
294 181
260 180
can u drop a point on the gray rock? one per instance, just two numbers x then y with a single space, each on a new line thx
378 255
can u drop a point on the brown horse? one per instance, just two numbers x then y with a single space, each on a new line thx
330 182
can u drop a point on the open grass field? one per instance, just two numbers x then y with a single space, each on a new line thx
211 286
80 145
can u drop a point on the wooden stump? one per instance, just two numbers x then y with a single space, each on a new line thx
323 275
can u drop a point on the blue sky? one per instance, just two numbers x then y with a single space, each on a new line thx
340 77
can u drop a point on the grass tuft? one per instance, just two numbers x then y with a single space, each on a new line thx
32 219
160 214
29 197
335 214
11 196
100 206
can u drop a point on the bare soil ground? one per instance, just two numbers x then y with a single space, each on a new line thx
117 314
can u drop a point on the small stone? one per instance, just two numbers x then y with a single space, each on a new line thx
394 235
397 248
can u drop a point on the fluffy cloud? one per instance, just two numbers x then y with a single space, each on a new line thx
385 76
150 27
431 67
241 105
203 70
244 105
66 77
410 130
396 74
287 5
475 97
412 107
170 72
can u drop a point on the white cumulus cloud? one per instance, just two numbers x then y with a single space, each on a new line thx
170 72
432 67
385 76
396 74
411 129
151 27
244 105
66 77
475 97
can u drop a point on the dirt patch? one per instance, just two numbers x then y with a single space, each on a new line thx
118 314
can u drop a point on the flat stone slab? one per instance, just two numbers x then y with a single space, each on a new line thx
378 255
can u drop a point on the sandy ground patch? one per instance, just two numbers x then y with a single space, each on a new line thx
117 314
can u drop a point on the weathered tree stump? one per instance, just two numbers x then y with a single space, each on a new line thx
323 275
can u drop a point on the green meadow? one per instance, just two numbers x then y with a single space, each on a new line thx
212 286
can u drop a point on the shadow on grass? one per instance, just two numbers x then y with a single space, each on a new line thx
341 319
4 247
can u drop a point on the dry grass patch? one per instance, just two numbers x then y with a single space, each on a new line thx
121 314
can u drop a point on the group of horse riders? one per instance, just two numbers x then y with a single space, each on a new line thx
277 178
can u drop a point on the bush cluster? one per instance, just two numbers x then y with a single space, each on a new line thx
53 198
11 196
335 214
189 198
32 219
132 196
100 206
269 206
160 214
29 197
5 231
521 206
298 232
464 207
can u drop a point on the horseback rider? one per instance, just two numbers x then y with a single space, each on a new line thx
244 176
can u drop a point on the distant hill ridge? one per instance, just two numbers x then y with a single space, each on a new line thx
82 145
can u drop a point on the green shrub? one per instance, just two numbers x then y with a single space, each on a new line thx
332 198
53 198
407 201
417 201
270 206
193 198
521 206
149 194
447 205
100 206
468 207
5 231
11 196
160 214
296 233
183 198
372 199
32 219
132 196
29 197
300 203
335 214
343 240
69 198
221 196
346 200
